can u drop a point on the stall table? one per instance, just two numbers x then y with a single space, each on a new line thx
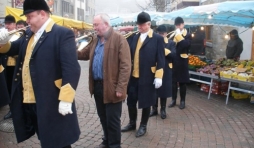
230 87
212 77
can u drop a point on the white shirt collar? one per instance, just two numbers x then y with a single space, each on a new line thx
144 35
38 34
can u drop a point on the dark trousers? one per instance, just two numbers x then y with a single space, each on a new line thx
132 101
182 90
9 77
109 115
162 101
31 119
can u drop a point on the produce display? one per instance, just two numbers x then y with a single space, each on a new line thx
242 70
196 62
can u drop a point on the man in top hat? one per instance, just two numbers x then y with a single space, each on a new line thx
148 59
235 46
180 63
8 63
165 90
45 78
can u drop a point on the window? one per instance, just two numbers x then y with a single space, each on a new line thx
67 8
80 14
87 5
55 7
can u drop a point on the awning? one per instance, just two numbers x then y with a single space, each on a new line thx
231 13
70 23
131 18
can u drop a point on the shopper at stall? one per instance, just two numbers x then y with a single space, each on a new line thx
180 62
235 46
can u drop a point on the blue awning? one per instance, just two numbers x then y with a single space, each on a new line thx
232 13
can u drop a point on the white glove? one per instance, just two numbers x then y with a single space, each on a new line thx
4 36
157 82
65 108
178 31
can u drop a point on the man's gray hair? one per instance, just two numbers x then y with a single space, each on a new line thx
105 18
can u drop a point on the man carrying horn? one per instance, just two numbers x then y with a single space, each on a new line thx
7 66
148 59
45 78
180 63
165 90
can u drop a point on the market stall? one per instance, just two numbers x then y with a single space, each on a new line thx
70 23
222 76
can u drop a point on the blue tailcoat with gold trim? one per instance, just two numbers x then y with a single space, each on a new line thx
166 89
180 64
151 57
54 57
4 93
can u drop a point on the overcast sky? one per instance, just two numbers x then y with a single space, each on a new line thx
117 6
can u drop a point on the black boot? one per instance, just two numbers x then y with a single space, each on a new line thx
133 117
163 108
8 115
174 94
153 112
144 119
141 131
182 105
173 103
182 95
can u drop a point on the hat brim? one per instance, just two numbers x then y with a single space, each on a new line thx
8 22
139 23
27 11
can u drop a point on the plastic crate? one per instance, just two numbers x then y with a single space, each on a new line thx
240 95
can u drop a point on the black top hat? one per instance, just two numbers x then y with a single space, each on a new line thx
179 21
161 28
33 5
143 17
9 19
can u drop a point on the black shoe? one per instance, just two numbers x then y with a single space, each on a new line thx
141 131
163 113
153 112
131 126
102 145
172 104
182 105
8 115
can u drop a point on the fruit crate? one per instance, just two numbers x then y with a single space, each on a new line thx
242 78
251 78
229 76
240 95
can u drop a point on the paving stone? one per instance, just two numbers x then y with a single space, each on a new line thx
203 123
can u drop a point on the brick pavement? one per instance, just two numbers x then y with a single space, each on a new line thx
202 124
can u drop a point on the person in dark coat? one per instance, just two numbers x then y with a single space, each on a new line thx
180 63
5 96
45 79
148 59
165 90
235 46
10 25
